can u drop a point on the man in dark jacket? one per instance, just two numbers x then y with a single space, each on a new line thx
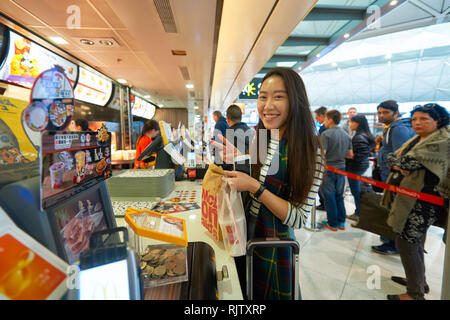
242 134
221 123
396 132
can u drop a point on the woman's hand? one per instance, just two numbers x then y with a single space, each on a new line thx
240 181
227 150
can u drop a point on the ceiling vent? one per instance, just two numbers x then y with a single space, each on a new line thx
185 73
166 15
178 52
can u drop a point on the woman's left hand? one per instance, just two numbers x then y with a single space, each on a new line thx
240 181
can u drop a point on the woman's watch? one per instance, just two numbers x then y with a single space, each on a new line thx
258 193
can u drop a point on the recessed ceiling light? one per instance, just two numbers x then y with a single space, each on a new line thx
106 42
299 68
87 42
160 105
58 40
346 35
123 81
190 86
196 107
147 97
318 55
393 3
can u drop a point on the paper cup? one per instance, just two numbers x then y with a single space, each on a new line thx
57 174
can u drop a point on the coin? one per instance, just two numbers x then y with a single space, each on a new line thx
147 257
160 271
170 265
149 270
180 269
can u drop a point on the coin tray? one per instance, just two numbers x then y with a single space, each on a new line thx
163 264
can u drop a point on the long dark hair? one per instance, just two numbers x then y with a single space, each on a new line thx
363 124
148 126
301 138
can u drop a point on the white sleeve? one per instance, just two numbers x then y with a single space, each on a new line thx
297 216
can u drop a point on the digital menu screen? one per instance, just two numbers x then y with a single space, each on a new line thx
26 60
93 88
142 108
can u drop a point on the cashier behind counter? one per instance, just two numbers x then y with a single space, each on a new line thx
149 131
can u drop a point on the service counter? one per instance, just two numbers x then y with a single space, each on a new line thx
229 288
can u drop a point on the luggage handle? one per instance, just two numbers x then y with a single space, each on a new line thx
272 243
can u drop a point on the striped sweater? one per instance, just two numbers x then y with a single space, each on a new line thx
297 216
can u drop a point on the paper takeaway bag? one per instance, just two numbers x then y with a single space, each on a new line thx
211 189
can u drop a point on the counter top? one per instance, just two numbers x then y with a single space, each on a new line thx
229 289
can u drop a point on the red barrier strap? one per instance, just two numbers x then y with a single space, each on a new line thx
407 192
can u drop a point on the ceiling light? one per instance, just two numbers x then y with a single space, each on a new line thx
196 107
388 56
160 105
393 3
106 42
122 81
58 40
346 35
190 86
147 97
299 68
334 64
87 42
318 55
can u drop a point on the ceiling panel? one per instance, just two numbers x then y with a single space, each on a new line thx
54 12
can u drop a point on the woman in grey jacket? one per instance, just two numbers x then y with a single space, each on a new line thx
421 165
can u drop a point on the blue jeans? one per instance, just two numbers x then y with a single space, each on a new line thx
355 188
333 195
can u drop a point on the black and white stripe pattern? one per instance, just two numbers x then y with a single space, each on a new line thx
297 216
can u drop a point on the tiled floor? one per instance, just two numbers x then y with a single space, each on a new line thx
341 266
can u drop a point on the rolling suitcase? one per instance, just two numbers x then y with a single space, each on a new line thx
273 243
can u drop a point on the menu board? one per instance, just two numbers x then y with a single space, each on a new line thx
73 162
26 60
93 88
142 108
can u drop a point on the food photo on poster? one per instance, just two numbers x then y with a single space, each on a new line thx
71 160
77 221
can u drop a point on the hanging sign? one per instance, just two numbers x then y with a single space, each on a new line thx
52 102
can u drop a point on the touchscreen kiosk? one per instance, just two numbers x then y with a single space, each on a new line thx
64 228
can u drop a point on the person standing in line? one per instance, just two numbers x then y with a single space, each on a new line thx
346 126
337 146
149 131
242 136
319 115
422 165
395 133
362 142
221 123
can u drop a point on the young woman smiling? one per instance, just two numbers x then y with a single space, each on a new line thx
285 179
